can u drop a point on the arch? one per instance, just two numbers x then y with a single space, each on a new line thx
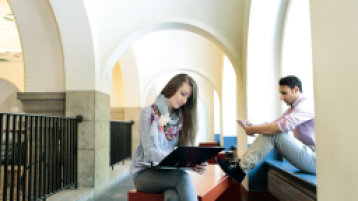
130 78
168 73
186 25
77 43
41 46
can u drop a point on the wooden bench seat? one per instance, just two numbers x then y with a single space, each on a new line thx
286 182
210 186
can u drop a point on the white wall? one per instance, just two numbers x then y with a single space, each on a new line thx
165 51
335 64
117 88
8 102
78 44
13 69
131 81
206 102
203 132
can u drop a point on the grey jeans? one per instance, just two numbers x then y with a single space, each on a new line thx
176 184
293 150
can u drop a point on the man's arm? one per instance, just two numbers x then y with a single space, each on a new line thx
265 129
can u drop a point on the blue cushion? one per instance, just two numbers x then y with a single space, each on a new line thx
288 168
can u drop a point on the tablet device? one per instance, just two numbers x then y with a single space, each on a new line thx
185 156
242 123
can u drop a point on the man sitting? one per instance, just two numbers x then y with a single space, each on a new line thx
299 149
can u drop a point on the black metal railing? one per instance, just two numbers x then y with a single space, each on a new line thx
38 155
121 141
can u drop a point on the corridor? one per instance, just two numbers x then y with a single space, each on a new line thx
118 192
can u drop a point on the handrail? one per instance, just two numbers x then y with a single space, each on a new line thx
120 141
38 155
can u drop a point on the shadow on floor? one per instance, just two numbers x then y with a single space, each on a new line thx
118 192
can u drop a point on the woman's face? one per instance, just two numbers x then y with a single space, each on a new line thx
180 97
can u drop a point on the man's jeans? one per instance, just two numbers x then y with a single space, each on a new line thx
294 151
176 184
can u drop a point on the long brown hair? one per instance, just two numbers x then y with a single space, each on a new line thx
189 110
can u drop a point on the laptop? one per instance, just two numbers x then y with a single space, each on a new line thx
186 156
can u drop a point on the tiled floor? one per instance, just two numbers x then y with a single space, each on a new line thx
118 192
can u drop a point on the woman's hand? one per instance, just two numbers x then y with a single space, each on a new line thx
200 168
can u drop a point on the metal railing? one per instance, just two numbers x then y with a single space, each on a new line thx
121 141
38 155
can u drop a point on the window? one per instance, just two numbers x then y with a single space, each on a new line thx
296 45
229 100
262 61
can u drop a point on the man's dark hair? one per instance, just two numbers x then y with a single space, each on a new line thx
291 81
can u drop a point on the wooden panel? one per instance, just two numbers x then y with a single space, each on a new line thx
305 188
233 193
257 195
134 195
208 144
216 190
285 191
212 183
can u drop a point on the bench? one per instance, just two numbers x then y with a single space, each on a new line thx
286 182
213 185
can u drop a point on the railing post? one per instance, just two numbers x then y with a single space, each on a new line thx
6 157
30 157
25 159
1 134
19 158
36 157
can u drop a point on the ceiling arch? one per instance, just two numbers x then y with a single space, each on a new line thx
189 25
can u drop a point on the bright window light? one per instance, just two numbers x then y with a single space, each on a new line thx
261 68
297 48
261 65
217 123
229 100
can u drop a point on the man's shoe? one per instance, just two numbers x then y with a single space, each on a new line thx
234 171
